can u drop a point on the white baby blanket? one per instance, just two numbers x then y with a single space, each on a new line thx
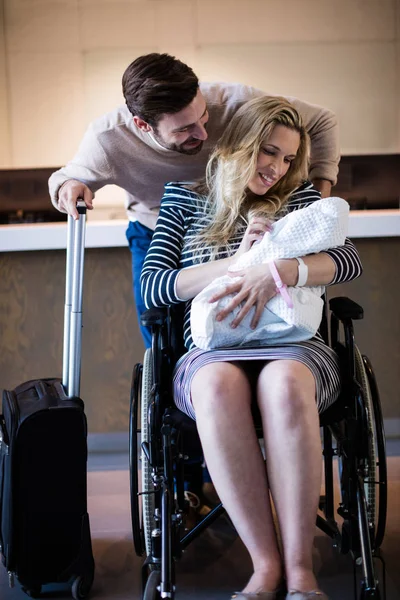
318 227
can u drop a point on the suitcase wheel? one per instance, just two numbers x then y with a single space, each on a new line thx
81 587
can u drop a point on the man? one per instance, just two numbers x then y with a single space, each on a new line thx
166 132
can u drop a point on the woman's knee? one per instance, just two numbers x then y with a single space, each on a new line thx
220 385
287 387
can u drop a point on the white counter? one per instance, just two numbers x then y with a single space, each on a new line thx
111 234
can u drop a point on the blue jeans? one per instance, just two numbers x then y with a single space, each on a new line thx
139 238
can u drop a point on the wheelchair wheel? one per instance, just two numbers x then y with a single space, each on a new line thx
136 502
375 470
381 465
369 582
142 503
148 499
151 591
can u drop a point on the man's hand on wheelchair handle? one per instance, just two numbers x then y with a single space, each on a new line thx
323 186
255 288
68 195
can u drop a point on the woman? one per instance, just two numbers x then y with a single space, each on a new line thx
200 232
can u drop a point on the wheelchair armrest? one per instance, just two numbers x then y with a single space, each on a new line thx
344 308
155 316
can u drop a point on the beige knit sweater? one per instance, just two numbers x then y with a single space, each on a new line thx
114 151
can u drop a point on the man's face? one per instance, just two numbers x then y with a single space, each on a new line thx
184 131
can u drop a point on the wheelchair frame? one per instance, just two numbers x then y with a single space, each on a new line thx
354 422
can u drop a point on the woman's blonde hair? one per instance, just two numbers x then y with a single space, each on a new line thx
233 164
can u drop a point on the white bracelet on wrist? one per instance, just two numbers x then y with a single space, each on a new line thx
303 273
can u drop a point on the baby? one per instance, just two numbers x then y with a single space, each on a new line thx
296 317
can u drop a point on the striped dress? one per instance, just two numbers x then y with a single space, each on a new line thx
181 215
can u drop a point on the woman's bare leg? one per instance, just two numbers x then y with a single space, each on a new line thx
286 396
221 397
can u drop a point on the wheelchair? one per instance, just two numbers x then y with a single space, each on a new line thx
162 440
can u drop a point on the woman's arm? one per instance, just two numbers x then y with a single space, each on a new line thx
160 268
337 265
193 280
321 269
257 286
347 262
162 281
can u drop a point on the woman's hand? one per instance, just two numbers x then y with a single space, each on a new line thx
255 288
255 231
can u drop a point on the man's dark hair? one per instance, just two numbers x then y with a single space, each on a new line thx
155 84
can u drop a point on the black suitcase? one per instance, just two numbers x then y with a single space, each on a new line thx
44 524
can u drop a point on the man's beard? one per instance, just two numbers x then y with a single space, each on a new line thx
178 147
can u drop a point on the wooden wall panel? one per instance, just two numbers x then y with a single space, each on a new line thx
32 288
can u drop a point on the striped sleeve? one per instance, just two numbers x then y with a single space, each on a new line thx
347 261
161 265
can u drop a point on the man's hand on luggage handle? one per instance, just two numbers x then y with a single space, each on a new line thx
68 195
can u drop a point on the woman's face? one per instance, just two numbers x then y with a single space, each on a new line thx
274 158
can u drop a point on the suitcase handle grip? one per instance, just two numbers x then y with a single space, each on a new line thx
81 206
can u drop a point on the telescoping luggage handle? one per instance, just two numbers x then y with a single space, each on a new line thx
73 302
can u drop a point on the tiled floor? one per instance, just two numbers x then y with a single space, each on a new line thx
216 563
